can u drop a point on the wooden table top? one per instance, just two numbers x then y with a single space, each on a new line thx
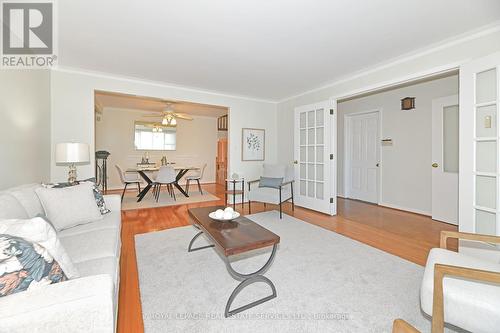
230 238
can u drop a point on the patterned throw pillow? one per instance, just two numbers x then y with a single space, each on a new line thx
25 266
99 198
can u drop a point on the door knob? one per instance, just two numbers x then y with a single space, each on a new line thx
295 162
435 165
377 165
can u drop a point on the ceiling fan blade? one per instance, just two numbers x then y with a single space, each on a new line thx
153 115
182 116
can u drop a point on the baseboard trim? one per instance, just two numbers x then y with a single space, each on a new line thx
405 209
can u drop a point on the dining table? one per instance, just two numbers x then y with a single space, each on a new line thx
143 172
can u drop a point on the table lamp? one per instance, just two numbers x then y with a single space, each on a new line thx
72 154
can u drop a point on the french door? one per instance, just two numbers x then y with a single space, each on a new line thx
479 186
315 149
445 134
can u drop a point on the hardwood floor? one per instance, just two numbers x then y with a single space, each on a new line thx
407 235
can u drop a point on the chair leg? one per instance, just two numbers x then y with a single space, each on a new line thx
173 192
199 186
249 208
139 187
187 186
124 189
293 203
281 211
158 194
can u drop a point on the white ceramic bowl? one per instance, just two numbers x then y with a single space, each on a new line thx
235 215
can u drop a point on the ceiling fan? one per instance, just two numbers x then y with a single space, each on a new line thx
169 116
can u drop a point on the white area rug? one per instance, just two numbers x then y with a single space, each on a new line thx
325 283
130 199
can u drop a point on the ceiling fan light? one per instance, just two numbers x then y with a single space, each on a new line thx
173 122
165 121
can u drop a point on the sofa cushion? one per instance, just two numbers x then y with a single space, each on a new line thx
26 195
26 265
111 220
104 265
92 245
11 208
269 195
37 230
70 206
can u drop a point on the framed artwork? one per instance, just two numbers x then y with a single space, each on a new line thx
253 144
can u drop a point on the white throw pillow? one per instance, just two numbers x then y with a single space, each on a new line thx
69 206
37 230
26 195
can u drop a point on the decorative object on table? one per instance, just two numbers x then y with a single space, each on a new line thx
226 215
26 265
196 176
274 191
164 161
235 191
128 178
71 154
253 144
235 176
101 169
408 103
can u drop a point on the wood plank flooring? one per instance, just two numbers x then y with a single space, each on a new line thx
407 235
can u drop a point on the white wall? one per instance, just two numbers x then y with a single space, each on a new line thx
24 127
434 59
405 169
73 114
196 143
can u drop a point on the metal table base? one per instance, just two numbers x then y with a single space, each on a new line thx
246 279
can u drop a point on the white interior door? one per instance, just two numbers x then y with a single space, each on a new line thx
445 134
479 207
315 148
479 194
362 156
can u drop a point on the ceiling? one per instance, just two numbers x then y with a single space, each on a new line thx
149 104
266 49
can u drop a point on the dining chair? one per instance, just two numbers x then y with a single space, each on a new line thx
166 176
196 176
128 178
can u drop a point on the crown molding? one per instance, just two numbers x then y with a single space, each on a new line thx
446 43
104 75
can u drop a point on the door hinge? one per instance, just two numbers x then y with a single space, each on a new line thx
331 200
331 156
331 112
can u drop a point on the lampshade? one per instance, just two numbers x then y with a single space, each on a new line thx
69 152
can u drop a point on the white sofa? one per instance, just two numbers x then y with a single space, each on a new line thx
85 304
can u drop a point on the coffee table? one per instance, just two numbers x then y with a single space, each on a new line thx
231 238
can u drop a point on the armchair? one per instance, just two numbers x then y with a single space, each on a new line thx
469 286
278 195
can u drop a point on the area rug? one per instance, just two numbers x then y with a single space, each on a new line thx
130 199
325 283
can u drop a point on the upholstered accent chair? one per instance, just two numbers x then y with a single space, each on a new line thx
459 289
276 195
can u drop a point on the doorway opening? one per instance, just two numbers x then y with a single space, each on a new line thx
402 159
138 137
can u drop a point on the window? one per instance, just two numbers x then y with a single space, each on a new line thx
152 136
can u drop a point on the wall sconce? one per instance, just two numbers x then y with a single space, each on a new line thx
408 103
